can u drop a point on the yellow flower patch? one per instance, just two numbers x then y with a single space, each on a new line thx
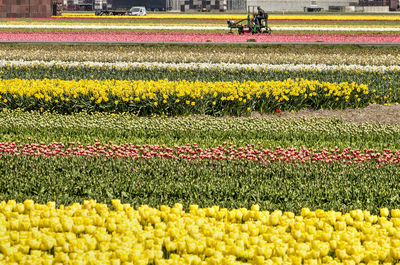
92 233
101 91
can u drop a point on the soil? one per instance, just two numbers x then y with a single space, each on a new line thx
371 114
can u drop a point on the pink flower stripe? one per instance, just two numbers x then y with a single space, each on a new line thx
191 37
226 151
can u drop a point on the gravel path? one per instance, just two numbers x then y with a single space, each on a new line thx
372 114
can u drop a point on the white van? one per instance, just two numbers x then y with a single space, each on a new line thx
137 11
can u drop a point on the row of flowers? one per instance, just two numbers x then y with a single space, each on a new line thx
203 66
92 233
149 19
190 27
60 36
200 54
205 130
127 27
192 96
235 16
163 89
193 152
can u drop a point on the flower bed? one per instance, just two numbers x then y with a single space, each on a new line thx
179 97
271 131
91 232
221 54
191 37
264 67
193 152
226 183
214 89
194 27
243 16
196 189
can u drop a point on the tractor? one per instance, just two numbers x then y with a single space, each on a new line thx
254 23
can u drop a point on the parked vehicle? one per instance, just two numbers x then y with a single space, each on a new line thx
313 7
137 11
134 11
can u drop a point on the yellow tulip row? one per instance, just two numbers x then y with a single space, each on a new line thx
243 16
162 90
91 233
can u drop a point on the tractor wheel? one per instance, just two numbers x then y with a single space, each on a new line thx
268 31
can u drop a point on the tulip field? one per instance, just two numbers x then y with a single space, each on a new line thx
201 28
211 151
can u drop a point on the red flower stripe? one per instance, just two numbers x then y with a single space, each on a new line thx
226 151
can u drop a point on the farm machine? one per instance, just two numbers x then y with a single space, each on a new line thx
256 22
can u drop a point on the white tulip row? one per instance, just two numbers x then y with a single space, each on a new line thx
205 66
47 26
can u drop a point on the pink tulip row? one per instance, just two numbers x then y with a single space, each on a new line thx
192 37
226 151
